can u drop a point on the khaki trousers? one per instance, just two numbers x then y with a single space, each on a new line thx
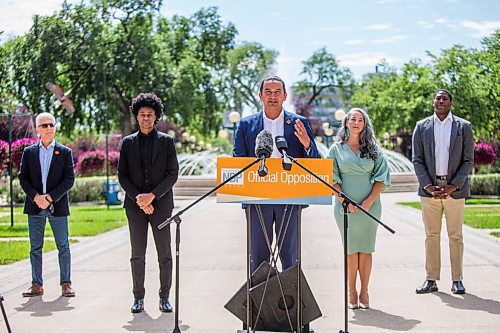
432 214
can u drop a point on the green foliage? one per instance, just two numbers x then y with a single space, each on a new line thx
481 201
479 213
248 65
83 221
396 100
222 145
84 189
88 189
322 72
12 251
488 184
109 51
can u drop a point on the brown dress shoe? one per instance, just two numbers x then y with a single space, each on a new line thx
67 291
34 290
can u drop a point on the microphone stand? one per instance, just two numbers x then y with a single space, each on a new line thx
5 315
347 201
176 218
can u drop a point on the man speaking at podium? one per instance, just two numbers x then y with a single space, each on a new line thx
298 134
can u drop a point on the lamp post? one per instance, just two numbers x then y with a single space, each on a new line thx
234 118
328 131
192 143
339 117
184 141
10 125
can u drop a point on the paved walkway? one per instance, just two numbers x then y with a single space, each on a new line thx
213 268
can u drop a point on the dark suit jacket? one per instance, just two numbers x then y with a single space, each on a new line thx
165 171
249 127
461 159
60 179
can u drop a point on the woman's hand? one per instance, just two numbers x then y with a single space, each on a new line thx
367 204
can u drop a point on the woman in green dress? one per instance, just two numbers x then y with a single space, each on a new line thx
361 172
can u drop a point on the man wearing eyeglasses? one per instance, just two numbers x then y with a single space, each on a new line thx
443 157
46 176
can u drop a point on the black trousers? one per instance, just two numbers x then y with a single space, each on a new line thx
138 223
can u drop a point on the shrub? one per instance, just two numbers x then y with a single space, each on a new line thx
92 163
85 189
114 141
484 154
17 152
488 184
4 156
81 145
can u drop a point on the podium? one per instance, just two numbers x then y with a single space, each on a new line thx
269 300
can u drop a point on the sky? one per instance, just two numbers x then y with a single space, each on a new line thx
359 33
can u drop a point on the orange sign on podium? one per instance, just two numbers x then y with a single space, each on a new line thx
296 186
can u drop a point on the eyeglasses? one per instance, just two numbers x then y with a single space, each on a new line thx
51 125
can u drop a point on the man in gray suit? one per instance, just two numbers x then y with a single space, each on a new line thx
443 157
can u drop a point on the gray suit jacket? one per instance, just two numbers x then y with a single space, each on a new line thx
461 160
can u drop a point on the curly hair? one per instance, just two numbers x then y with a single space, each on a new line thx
367 143
149 100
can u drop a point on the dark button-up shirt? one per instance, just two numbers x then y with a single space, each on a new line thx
146 155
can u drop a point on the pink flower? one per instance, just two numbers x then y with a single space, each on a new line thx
484 154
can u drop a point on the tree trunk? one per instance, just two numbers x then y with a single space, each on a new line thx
127 118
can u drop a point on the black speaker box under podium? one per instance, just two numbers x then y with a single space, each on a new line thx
273 316
237 305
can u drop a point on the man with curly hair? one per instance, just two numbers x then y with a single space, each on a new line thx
147 171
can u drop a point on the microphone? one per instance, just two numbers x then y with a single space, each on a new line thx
282 146
263 149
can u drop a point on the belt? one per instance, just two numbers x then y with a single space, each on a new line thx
441 177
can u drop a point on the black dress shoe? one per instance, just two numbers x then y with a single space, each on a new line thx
138 305
429 286
165 305
457 287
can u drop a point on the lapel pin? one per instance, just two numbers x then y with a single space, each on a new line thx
288 122
56 152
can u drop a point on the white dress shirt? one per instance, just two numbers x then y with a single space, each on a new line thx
45 155
276 127
442 134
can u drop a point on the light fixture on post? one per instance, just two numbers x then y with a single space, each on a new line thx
339 115
328 135
184 141
234 118
192 143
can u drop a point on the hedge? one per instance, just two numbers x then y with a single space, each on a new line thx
488 184
85 189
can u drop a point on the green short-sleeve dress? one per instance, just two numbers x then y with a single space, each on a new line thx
356 177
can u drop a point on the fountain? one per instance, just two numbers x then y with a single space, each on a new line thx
197 172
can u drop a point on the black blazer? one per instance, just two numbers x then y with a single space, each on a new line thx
60 179
165 171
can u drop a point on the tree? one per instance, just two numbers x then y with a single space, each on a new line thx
322 72
248 65
472 77
111 50
396 100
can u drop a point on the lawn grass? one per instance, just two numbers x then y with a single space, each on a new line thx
83 221
479 213
12 251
